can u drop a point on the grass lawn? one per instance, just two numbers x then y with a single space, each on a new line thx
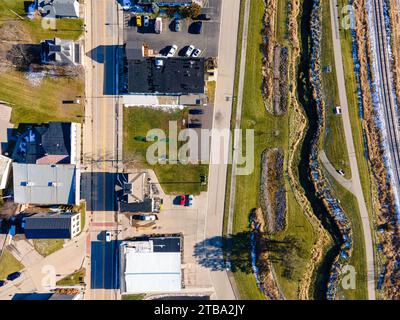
211 90
280 21
174 179
73 279
8 264
351 86
334 143
358 260
270 131
46 247
65 28
43 103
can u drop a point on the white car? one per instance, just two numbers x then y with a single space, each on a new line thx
146 21
108 236
196 53
172 51
189 51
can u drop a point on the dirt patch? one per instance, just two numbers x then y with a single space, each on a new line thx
12 33
272 190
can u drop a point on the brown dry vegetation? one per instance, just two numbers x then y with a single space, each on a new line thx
266 275
275 65
384 201
272 190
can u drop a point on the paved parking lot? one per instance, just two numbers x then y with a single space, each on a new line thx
207 41
197 153
190 221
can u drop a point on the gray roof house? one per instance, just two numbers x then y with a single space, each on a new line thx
45 184
59 8
52 226
61 52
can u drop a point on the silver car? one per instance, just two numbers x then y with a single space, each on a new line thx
146 21
196 53
189 51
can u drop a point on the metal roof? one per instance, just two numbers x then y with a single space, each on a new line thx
150 271
63 8
44 184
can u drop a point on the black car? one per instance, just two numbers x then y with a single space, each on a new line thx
13 276
194 125
196 111
178 25
202 16
2 283
196 27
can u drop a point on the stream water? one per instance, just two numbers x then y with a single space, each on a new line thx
310 107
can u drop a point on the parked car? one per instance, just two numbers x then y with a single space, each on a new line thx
146 21
196 53
341 172
2 283
195 125
196 27
178 25
196 111
138 21
172 51
202 16
186 200
108 236
189 51
158 25
13 276
142 217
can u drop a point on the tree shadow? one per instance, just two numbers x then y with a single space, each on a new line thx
213 253
23 55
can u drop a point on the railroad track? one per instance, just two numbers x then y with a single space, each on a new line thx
387 95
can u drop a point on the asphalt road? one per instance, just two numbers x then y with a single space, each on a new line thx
355 181
219 154
102 143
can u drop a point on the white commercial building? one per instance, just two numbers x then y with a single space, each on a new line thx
152 265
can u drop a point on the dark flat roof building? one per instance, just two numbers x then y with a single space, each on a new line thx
52 226
166 76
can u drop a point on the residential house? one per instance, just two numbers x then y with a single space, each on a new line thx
60 52
52 225
59 8
49 143
137 195
45 170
